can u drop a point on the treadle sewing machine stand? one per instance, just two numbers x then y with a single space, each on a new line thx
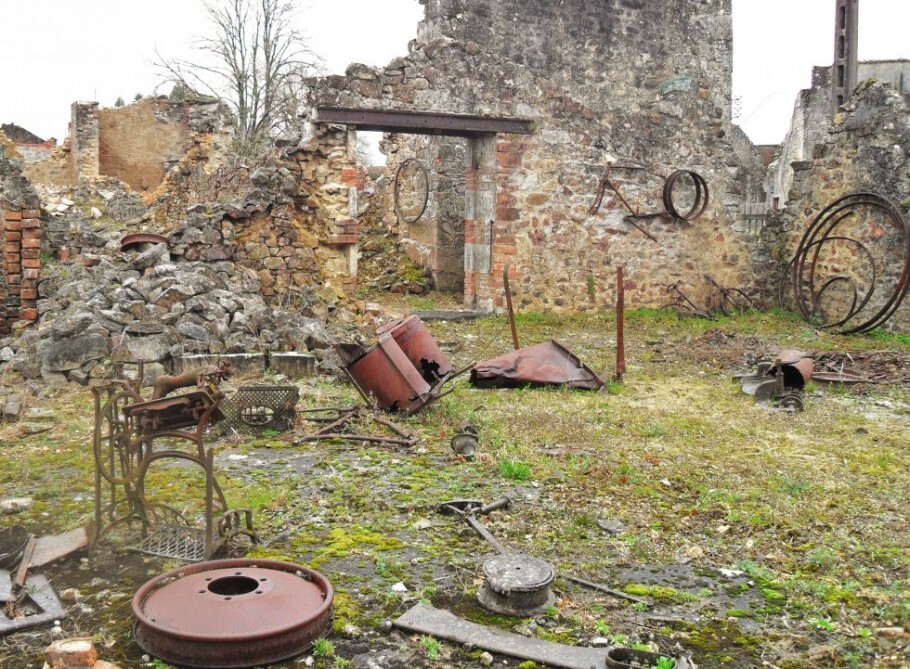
126 429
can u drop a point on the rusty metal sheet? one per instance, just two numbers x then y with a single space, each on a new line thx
549 363
42 603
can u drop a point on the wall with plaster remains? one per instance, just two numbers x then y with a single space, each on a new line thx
643 82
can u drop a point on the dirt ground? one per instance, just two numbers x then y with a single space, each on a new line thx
755 537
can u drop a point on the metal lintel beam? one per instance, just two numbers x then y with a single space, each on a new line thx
421 123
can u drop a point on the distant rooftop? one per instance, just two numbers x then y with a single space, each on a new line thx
19 135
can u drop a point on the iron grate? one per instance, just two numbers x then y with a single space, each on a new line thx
260 408
179 542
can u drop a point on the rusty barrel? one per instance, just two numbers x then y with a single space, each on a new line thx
418 345
385 373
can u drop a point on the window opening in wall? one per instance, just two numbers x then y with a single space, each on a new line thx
840 75
840 46
842 17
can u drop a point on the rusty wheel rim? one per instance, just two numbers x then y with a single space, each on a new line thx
232 613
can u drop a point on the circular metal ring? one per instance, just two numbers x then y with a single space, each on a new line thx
396 191
701 195
232 613
819 234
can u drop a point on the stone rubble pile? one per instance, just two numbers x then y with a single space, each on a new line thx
142 306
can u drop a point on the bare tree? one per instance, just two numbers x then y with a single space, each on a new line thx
255 60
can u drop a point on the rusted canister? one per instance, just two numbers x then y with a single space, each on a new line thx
387 374
420 347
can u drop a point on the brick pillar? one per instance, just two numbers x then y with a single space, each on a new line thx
21 267
31 265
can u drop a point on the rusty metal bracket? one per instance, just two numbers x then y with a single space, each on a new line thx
699 205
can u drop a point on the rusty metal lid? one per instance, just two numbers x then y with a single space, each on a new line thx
514 572
135 240
232 613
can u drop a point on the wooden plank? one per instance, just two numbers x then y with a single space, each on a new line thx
424 619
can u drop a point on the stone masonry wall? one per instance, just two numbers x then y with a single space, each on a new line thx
599 81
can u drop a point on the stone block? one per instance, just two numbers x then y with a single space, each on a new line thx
28 223
12 216
33 243
13 226
31 213
31 254
66 354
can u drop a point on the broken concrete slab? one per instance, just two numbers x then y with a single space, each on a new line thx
424 619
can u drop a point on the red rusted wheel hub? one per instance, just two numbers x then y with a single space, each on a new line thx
232 613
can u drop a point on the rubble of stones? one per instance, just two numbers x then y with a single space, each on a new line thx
98 303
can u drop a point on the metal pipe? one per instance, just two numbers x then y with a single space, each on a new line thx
620 327
505 283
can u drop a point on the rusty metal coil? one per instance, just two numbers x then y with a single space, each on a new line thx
701 195
396 191
803 267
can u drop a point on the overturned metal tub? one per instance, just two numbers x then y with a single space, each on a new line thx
419 347
386 378
545 364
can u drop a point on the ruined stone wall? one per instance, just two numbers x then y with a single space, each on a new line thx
139 142
866 149
83 131
290 219
643 82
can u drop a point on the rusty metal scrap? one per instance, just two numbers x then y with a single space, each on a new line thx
808 280
126 429
404 371
545 364
782 380
232 613
340 428
698 207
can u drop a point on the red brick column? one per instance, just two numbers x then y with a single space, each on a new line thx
21 266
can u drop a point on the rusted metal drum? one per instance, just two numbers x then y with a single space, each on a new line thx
420 348
232 613
385 373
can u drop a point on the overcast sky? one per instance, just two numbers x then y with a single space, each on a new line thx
54 52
